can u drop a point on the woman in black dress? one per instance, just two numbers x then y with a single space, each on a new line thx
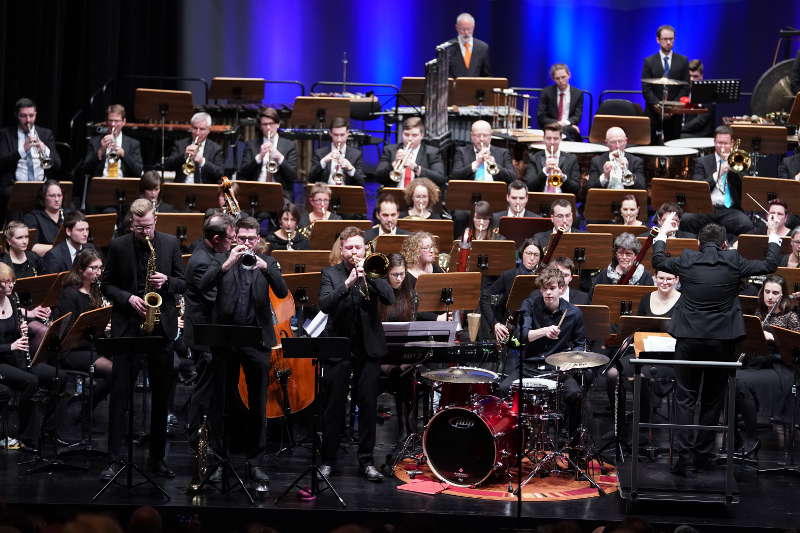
24 262
661 301
48 216
280 239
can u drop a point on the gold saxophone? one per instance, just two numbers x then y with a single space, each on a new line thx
152 300
200 456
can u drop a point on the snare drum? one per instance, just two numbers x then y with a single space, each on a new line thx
538 398
666 161
461 384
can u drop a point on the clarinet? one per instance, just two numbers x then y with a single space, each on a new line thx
22 320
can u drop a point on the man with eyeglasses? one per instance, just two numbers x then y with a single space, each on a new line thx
562 216
125 281
62 255
664 64
268 149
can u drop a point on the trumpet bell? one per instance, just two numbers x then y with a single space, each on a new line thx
376 265
555 180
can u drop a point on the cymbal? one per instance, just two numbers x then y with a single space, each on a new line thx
664 81
572 360
461 374
430 344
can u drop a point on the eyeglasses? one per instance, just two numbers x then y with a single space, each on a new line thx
321 200
397 275
143 228
252 238
6 282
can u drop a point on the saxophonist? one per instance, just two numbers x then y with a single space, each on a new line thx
338 163
142 261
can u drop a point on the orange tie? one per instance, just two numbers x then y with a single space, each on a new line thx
467 54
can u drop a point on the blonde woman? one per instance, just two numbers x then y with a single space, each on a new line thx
422 199
420 252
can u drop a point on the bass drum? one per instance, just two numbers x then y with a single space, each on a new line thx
465 446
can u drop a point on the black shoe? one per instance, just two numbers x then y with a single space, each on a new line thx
371 473
160 469
109 471
326 470
750 448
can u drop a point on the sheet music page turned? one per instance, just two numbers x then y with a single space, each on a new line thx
655 343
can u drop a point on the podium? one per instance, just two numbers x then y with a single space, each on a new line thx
755 246
588 250
195 197
348 199
615 229
518 229
604 204
692 196
462 194
441 229
765 190
540 202
187 227
325 232
302 260
615 296
23 194
637 129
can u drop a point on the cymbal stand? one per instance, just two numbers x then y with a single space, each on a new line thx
411 447
660 131
789 465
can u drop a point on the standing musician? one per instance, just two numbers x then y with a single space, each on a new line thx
472 57
61 256
24 262
481 161
132 270
664 64
386 212
410 159
270 157
113 155
562 216
561 103
707 322
338 163
616 169
199 154
552 161
47 217
350 298
726 189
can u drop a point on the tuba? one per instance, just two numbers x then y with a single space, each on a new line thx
396 174
738 160
152 300
189 167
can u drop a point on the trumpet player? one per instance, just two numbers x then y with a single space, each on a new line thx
401 163
270 157
552 161
481 161
725 186
113 155
338 163
616 169
197 159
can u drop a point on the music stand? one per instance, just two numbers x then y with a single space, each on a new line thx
605 204
755 246
590 251
389 244
187 227
319 349
522 286
23 194
129 347
754 341
447 292
462 194
226 337
595 320
399 195
304 288
491 258
475 91
237 90
39 290
749 304
318 111
259 197
675 247
440 229
692 196
615 229
637 129
540 202
191 196
325 232
518 229
630 324
412 92
119 192
764 190
615 296
155 105
792 277
760 140
349 199
299 261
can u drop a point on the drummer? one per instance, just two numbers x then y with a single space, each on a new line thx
550 325
702 124
544 163
608 170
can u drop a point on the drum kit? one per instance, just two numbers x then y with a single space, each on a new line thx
474 435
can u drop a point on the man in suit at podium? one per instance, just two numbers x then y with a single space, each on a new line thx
476 161
469 57
205 154
544 162
561 103
100 161
664 64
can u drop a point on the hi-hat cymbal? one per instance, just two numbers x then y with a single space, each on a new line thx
664 81
430 344
572 360
461 374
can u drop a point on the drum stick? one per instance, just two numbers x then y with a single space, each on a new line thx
562 319
756 202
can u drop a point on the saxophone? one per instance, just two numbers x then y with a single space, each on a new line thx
200 457
152 300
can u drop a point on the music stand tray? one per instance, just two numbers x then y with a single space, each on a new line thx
259 197
765 190
675 247
761 139
389 244
325 232
318 111
593 248
113 191
348 199
476 91
237 89
37 290
629 324
187 227
497 256
615 229
792 277
604 204
148 105
23 194
462 194
304 287
715 91
755 246
518 229
191 196
299 261
442 230
613 295
540 202
447 292
692 196
595 320
637 129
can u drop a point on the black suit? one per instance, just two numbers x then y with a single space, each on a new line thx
789 167
210 172
536 179
478 63
653 67
9 158
351 315
287 171
494 297
353 155
706 321
733 218
702 124
130 165
124 276
428 159
635 165
372 233
58 259
548 109
465 155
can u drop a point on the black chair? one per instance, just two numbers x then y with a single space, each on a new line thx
619 106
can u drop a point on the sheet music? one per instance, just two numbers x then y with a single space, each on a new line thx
656 343
315 327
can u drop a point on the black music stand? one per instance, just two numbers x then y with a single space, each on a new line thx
319 349
260 197
760 140
518 229
119 192
224 336
155 105
130 347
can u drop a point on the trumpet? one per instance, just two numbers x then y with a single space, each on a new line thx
46 161
338 173
620 170
231 204
189 166
289 239
555 177
738 160
112 156
396 174
249 260
270 165
491 164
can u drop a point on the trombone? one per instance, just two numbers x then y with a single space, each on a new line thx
375 265
396 174
189 166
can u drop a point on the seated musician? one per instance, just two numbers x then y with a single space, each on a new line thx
779 210
562 217
701 124
725 186
544 333
113 155
626 248
81 293
480 161
764 382
286 237
551 161
150 188
386 213
661 301
567 267
495 296
319 197
205 156
422 198
401 163
789 169
337 163
629 210
62 255
24 262
674 221
482 224
517 200
270 149
420 253
561 103
615 169
46 218
792 260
